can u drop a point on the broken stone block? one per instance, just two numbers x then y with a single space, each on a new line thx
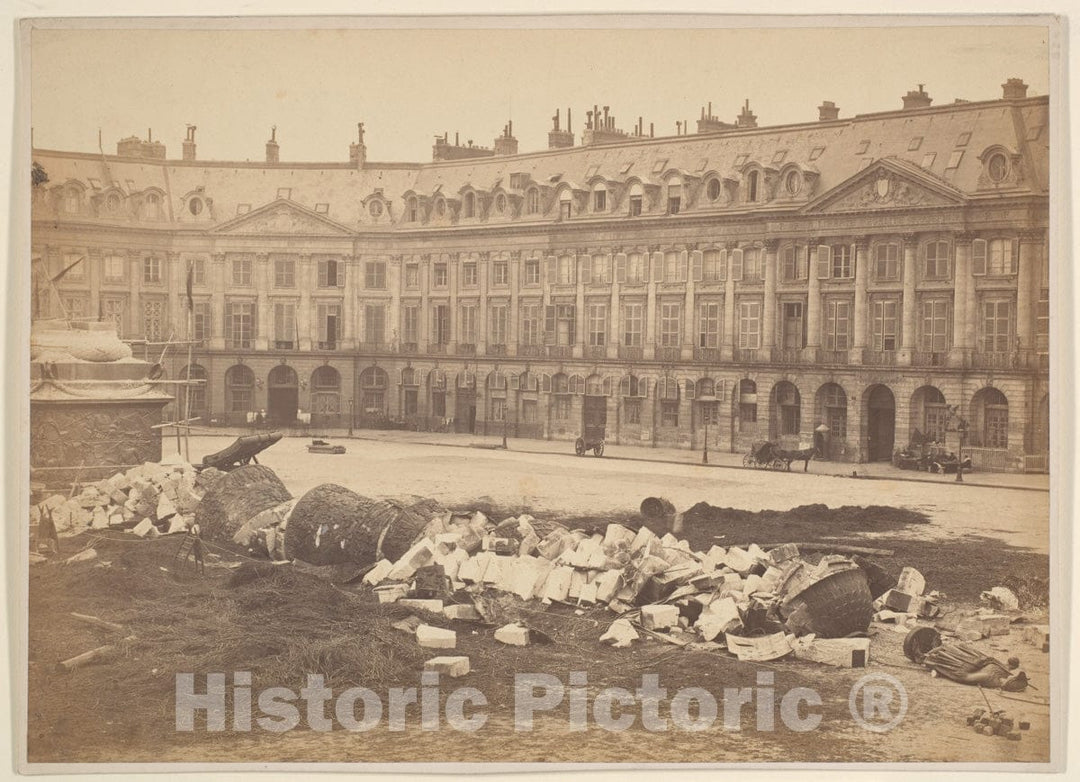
178 524
616 535
911 582
713 558
659 617
445 542
555 543
391 593
841 652
620 635
513 635
100 519
165 508
435 637
493 573
717 617
83 556
143 528
379 572
528 544
607 585
783 553
116 520
461 611
1001 598
557 585
896 600
985 625
417 604
642 539
420 555
454 667
469 571
752 584
577 581
738 560
588 594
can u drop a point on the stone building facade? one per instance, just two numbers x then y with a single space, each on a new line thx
883 275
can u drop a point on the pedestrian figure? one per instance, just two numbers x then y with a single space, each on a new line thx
819 440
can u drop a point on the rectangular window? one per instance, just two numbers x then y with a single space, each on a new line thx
669 414
410 324
792 337
468 274
936 261
75 306
240 323
375 275
151 269
284 325
709 324
500 319
791 263
935 326
565 271
439 274
75 263
500 273
600 269
113 312
440 324
633 321
565 209
935 422
749 325
530 324
599 200
532 271
670 324
996 426
1042 323
837 324
752 267
329 317
331 273
997 326
375 323
559 324
713 265
560 407
241 271
885 324
198 271
201 322
467 324
597 325
887 261
284 273
632 411
114 267
635 206
635 268
674 267
412 275
843 267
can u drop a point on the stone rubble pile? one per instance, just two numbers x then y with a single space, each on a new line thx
757 604
149 499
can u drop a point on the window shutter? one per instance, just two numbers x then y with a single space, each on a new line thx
586 270
643 387
1014 256
574 269
620 267
545 383
697 262
722 271
824 261
551 269
763 258
690 389
228 320
683 257
657 267
322 274
549 324
607 386
978 257
736 265
341 274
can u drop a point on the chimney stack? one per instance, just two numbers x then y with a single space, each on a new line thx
358 150
272 148
1014 89
558 138
827 111
746 118
506 144
917 99
189 143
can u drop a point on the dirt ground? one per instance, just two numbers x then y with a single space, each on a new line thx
278 623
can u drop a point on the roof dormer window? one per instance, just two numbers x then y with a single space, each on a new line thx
752 186
469 205
532 201
600 199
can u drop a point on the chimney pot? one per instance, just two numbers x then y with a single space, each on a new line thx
827 111
1014 89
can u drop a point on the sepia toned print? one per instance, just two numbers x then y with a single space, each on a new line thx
618 423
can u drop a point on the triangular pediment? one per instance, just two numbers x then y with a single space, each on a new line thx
887 184
283 218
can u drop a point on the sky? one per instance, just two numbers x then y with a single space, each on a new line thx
409 85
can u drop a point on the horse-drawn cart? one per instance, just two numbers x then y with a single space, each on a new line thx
764 454
594 427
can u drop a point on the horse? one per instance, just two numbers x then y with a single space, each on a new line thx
787 457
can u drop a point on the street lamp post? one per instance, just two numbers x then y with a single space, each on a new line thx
351 416
705 450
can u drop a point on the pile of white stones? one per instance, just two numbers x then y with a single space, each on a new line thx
149 499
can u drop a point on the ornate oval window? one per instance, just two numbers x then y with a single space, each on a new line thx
440 207
195 206
997 167
500 202
713 189
375 208
113 202
792 182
